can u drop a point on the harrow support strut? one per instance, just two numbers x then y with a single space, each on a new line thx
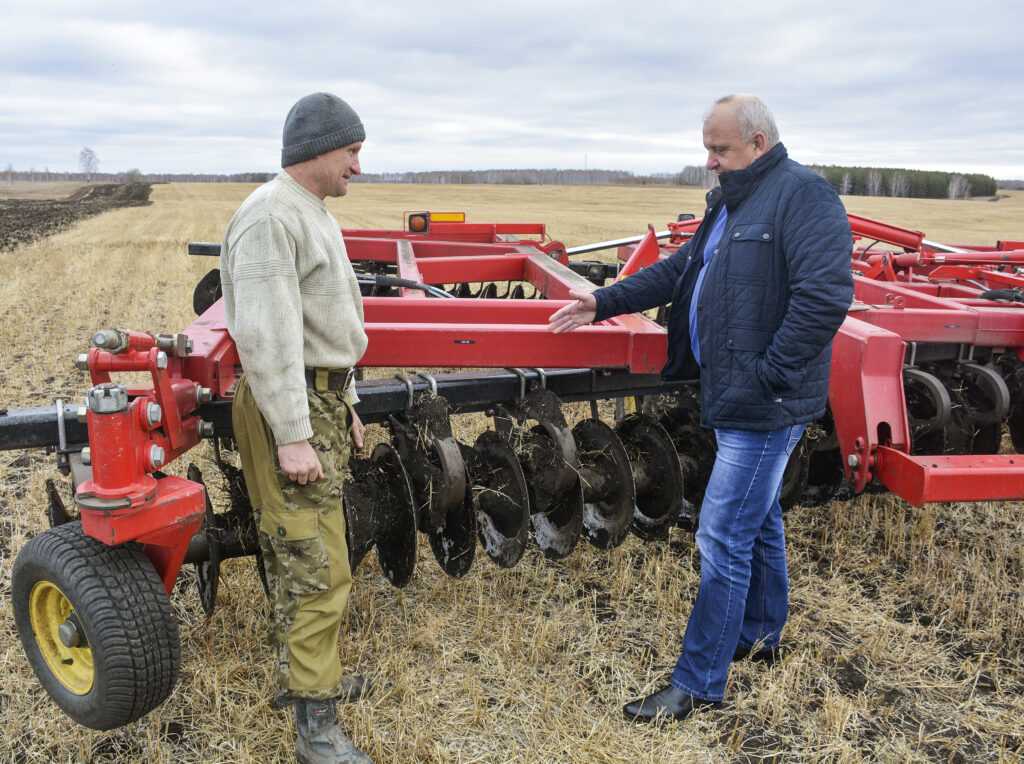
921 479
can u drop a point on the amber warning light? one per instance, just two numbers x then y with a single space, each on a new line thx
419 222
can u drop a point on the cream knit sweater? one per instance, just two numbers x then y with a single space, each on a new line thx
291 300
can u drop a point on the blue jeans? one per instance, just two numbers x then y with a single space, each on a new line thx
744 588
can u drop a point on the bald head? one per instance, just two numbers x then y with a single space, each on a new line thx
737 130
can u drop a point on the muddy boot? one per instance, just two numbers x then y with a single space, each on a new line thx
320 739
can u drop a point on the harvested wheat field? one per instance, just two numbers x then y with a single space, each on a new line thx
907 626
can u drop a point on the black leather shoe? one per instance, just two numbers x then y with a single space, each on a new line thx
768 655
667 703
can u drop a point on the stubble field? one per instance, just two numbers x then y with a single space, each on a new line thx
907 626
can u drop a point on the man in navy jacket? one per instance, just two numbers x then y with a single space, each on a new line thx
757 296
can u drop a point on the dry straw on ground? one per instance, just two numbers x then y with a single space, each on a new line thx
907 628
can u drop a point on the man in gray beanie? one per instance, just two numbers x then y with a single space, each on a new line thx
293 308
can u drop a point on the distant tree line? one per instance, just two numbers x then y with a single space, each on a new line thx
9 175
892 181
524 177
856 181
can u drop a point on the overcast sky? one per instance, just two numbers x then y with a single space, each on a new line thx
204 86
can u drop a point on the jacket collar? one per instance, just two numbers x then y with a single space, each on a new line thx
737 185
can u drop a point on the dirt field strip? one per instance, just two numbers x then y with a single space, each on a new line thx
26 219
907 625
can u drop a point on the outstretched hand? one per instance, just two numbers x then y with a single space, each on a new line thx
578 313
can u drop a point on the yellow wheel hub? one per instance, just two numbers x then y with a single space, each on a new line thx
48 609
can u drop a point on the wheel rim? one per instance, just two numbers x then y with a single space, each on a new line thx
72 666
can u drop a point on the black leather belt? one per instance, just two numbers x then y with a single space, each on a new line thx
323 380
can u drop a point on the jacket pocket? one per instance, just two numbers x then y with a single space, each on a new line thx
746 350
752 340
750 249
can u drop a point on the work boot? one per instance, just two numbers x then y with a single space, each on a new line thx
320 739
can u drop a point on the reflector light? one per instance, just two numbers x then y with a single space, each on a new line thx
448 217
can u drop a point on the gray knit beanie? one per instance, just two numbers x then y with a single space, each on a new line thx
316 124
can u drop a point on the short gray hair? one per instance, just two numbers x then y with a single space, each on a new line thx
752 115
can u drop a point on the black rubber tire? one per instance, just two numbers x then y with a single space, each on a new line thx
124 612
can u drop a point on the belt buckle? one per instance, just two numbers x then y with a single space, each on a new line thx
348 378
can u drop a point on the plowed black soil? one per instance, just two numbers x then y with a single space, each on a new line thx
25 220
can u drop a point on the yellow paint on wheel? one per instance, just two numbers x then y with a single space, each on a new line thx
48 608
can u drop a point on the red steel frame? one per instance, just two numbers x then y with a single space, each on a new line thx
417 331
901 298
414 330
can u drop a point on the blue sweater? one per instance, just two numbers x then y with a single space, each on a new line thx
771 302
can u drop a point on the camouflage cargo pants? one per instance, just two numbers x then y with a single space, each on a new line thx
302 537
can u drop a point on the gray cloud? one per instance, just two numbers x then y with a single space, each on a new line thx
204 87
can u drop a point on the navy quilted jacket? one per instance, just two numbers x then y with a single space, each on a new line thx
773 297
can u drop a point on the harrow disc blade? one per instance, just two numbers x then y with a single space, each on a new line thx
56 512
657 473
608 491
548 455
929 409
679 414
1016 425
379 512
454 543
794 478
208 570
432 459
986 393
557 529
981 400
501 497
446 485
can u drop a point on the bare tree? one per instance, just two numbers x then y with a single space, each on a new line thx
873 183
899 184
10 174
695 175
959 187
88 161
846 184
